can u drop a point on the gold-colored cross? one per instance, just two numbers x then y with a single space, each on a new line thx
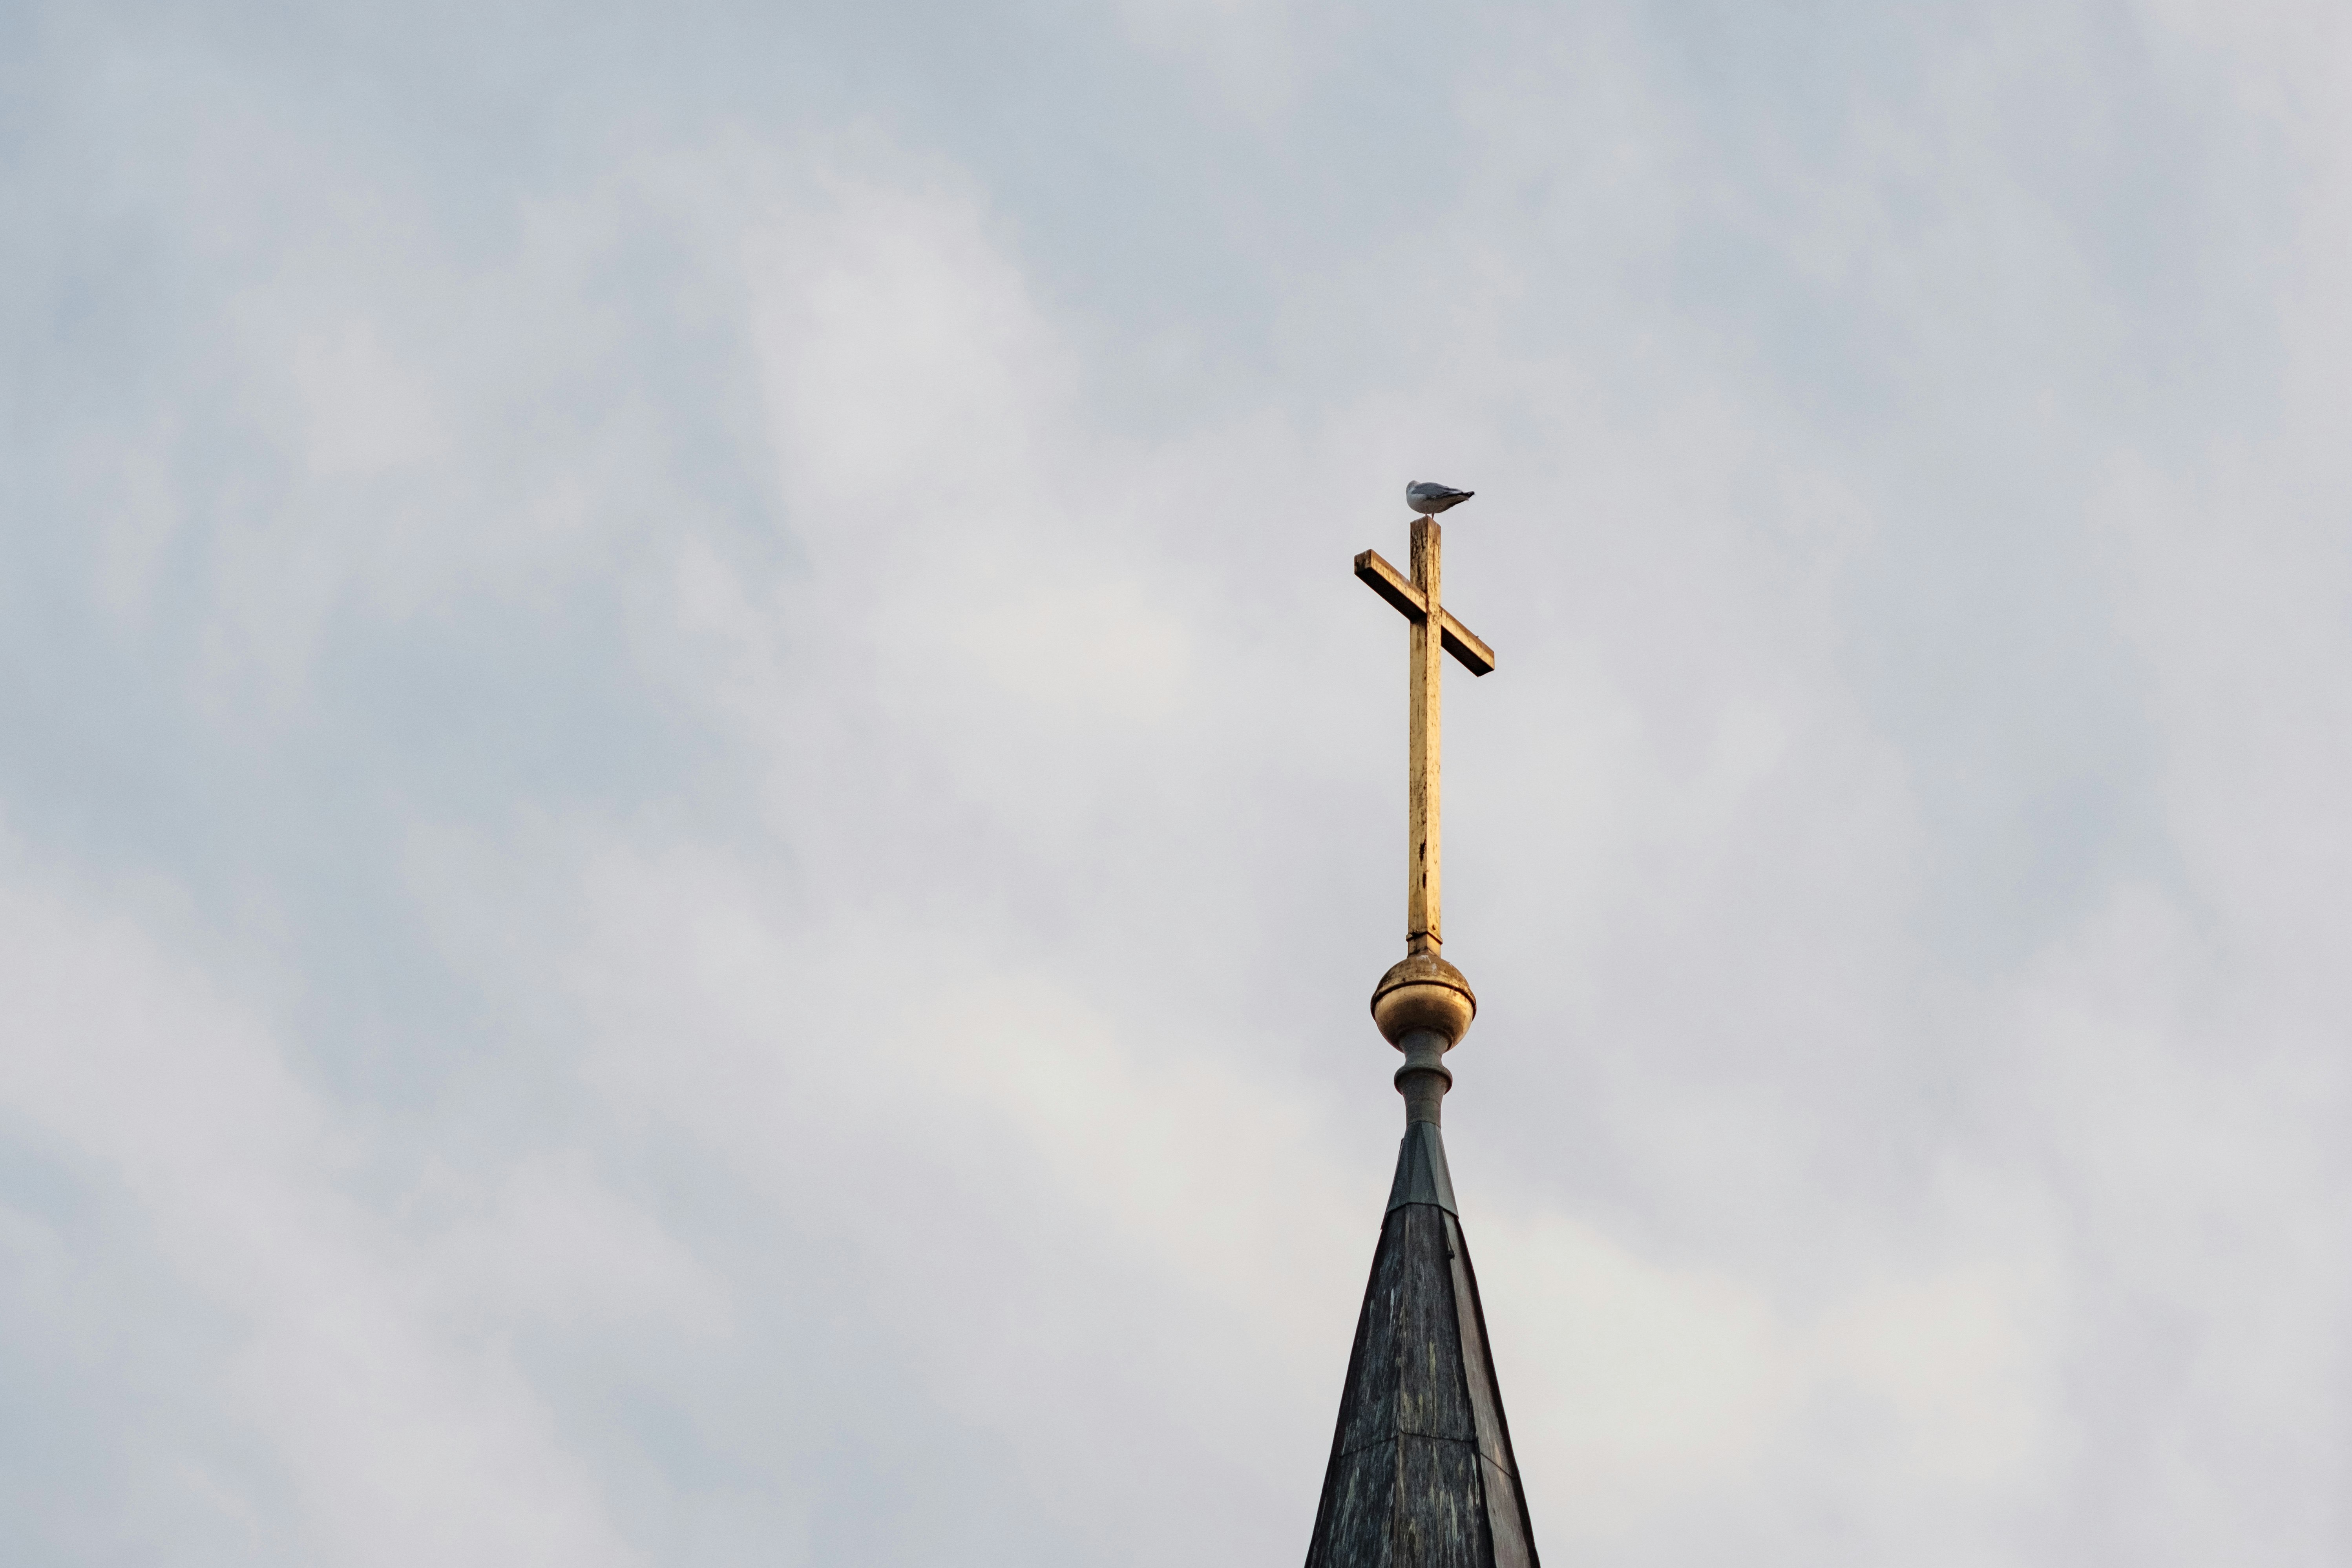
1432 629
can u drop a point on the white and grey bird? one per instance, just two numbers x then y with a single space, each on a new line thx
1429 499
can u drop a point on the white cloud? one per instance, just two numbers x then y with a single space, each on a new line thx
364 1363
364 411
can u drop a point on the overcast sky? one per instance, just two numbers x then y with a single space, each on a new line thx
695 811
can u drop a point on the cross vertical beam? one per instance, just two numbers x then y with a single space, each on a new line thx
1424 888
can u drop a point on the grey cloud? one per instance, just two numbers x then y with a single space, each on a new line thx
672 896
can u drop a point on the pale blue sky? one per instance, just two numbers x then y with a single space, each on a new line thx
697 807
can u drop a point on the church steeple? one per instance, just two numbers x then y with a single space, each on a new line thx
1422 1472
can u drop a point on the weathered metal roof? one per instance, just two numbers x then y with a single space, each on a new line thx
1422 1474
1420 1174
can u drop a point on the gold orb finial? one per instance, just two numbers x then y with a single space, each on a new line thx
1423 995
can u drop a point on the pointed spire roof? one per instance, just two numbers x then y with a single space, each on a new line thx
1422 1474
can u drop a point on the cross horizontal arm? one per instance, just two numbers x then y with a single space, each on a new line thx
1397 588
1462 643
1390 585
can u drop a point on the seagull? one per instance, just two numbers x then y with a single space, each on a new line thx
1429 499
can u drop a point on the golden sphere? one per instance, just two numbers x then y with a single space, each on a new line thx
1425 992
